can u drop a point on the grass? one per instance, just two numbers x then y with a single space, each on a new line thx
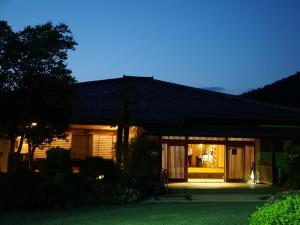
138 214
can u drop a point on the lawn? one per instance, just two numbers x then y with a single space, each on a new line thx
141 213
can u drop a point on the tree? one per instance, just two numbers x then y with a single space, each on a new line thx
282 92
126 96
36 87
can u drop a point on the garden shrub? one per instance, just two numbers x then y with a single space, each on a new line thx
22 190
56 186
125 195
285 210
58 160
292 151
144 159
93 167
144 165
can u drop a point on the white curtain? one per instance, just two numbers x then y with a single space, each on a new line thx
176 162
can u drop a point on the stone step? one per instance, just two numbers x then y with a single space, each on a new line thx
263 191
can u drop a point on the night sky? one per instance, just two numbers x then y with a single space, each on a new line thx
230 46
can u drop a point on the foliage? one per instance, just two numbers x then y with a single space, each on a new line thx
56 185
144 165
58 161
126 195
144 159
291 149
282 211
93 167
28 190
35 83
282 92
293 162
20 190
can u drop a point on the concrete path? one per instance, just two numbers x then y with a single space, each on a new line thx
209 198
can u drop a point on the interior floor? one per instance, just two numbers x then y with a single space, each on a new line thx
195 180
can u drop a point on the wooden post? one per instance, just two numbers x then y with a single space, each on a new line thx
119 146
226 169
274 167
186 159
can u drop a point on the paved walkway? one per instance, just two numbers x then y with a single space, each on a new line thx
209 198
214 190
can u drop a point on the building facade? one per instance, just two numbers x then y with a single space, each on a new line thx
204 134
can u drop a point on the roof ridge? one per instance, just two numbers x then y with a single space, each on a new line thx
125 77
97 81
137 77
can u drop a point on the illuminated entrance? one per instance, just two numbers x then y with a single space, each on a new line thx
206 161
208 158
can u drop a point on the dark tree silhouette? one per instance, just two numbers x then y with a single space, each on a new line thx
36 87
126 97
283 92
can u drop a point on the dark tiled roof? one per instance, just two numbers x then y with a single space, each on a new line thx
158 101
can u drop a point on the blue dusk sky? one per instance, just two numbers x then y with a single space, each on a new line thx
231 46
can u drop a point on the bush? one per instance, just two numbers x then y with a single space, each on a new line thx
144 160
125 195
58 160
144 165
285 210
292 151
22 190
57 187
93 167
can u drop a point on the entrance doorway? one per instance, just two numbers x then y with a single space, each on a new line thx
206 161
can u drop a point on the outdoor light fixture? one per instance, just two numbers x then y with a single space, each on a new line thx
34 124
252 175
252 179
100 177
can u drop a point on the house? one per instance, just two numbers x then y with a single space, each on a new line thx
204 134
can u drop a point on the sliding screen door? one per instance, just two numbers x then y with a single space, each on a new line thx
236 163
177 162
